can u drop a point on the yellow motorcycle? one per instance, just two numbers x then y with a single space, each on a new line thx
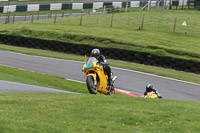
96 79
152 95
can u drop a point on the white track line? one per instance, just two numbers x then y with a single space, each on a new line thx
75 80
118 90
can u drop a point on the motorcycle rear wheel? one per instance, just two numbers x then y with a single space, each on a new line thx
90 85
112 91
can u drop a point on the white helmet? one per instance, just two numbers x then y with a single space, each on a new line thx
95 52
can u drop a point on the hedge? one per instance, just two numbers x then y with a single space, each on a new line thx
112 53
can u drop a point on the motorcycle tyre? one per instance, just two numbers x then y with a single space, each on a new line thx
112 91
90 88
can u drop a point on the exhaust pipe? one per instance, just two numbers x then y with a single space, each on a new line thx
114 78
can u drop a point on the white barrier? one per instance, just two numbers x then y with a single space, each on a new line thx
97 5
77 5
56 6
135 4
11 8
117 4
182 2
33 7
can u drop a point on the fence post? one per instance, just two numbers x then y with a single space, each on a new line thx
8 17
158 5
175 24
81 18
55 18
32 18
104 9
142 22
126 7
13 17
149 4
111 20
62 14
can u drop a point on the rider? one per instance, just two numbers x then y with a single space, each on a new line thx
102 60
149 88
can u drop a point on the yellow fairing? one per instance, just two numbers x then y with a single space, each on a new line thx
103 81
92 74
151 95
98 70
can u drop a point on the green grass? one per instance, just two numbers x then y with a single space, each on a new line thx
61 113
27 77
128 65
156 37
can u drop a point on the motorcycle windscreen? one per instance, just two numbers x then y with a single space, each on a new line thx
91 59
89 63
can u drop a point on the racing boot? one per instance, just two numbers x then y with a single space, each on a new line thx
109 83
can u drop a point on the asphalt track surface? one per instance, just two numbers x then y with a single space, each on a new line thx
7 86
128 80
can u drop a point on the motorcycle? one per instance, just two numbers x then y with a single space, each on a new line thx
152 95
96 79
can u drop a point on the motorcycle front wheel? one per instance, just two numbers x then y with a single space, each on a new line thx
90 85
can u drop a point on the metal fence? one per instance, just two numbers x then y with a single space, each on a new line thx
150 20
92 5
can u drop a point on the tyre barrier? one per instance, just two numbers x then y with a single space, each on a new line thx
112 53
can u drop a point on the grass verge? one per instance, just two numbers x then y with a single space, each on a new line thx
128 65
33 78
61 113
